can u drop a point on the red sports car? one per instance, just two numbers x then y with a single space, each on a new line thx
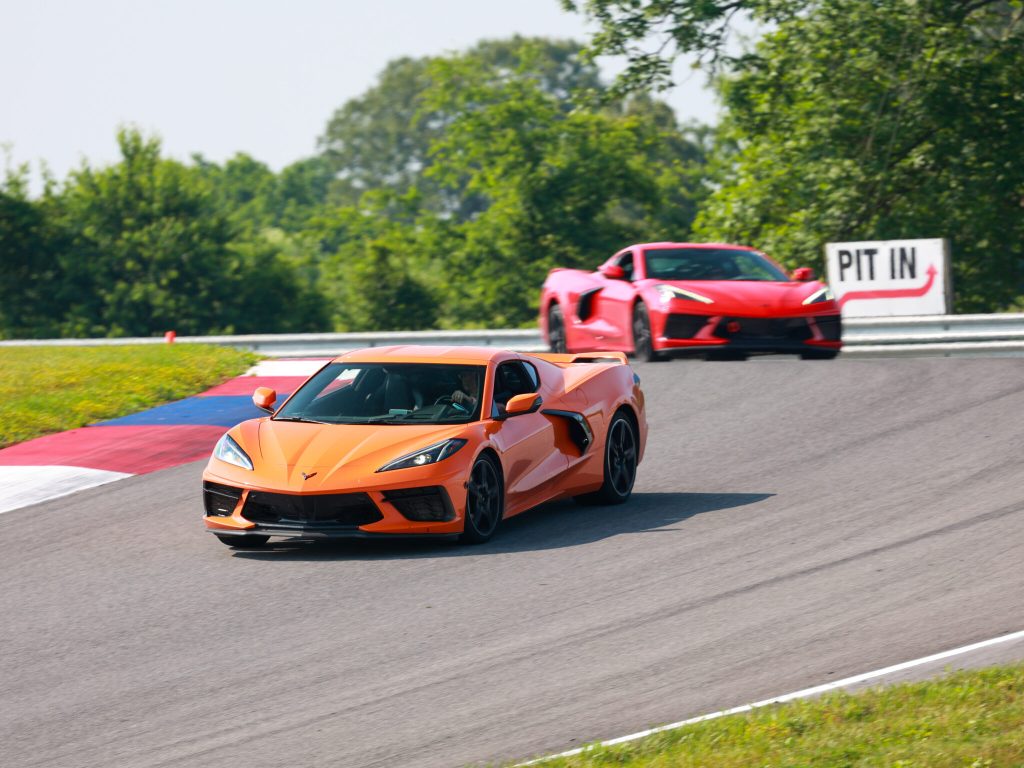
722 301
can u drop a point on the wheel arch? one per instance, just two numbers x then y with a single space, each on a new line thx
492 454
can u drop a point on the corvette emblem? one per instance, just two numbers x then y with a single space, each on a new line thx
305 476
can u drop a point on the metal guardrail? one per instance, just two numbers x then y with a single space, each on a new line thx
939 335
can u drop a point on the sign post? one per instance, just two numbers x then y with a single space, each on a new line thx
882 278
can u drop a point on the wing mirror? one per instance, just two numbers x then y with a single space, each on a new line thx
264 399
613 272
803 274
520 404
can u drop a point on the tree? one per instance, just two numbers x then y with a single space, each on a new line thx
150 247
858 122
382 139
556 187
29 247
381 294
854 120
651 34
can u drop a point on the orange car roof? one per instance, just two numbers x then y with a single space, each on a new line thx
415 353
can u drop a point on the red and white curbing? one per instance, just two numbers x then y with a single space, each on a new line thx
58 465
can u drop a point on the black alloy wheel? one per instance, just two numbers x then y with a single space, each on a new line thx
620 462
485 502
556 330
643 346
248 541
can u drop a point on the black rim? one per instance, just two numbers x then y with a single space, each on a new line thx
556 331
484 497
641 333
621 457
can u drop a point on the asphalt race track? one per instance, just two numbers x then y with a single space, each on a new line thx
793 523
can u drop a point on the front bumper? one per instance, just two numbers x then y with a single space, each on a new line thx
398 509
680 333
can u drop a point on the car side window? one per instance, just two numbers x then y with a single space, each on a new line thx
511 378
532 373
626 262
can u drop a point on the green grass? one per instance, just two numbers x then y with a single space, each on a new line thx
50 389
967 719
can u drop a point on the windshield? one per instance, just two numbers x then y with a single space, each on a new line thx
710 264
388 393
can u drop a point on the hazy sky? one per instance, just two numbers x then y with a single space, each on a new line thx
223 76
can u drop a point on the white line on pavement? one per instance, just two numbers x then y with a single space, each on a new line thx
802 694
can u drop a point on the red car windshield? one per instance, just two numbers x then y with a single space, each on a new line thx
710 264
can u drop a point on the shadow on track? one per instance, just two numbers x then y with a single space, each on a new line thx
550 526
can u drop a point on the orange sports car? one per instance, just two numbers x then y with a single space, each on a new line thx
400 441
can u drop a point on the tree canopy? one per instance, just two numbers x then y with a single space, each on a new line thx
853 120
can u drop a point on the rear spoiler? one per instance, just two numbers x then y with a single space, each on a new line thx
614 358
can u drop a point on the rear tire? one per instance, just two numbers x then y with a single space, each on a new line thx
556 330
485 501
643 344
249 541
620 461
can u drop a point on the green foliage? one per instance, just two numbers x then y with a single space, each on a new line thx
859 122
379 293
558 188
33 276
441 198
147 247
970 718
650 34
382 140
51 389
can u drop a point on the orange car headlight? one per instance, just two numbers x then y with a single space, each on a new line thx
429 455
229 451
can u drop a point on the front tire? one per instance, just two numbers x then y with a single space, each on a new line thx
620 461
643 344
248 541
556 330
485 501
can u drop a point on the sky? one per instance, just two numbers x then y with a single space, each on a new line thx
217 77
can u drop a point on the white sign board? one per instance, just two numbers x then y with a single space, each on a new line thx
880 278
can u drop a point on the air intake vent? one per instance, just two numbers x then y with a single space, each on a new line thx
220 500
422 504
684 326
346 510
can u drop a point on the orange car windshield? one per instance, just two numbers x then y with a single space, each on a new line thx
388 393
710 264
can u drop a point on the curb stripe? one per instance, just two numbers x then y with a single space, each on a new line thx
24 485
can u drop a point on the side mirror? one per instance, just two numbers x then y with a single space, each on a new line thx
264 399
803 274
520 404
613 272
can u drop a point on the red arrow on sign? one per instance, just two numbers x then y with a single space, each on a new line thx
894 293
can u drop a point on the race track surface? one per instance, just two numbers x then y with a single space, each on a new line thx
793 523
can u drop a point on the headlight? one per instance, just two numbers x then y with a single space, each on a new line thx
669 292
231 452
429 455
825 294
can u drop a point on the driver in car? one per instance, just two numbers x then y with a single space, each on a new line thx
467 393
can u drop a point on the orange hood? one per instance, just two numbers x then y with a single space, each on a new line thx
340 454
